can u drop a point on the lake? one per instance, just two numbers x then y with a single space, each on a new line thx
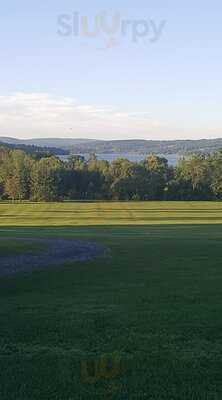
134 157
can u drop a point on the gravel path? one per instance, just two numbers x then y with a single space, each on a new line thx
57 252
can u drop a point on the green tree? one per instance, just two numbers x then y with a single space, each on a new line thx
45 178
17 175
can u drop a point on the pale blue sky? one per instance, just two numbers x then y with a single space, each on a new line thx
53 85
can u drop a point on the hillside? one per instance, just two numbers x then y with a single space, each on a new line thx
120 146
30 149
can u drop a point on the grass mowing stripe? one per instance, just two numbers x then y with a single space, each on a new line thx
109 213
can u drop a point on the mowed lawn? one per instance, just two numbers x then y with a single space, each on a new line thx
154 303
109 213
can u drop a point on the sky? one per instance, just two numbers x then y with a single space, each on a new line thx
111 70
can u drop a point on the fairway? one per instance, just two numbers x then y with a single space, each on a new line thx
109 213
152 304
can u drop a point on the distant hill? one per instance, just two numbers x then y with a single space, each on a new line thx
48 142
120 146
147 146
17 144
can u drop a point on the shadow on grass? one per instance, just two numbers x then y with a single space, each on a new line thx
144 323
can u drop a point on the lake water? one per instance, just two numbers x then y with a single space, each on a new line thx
134 157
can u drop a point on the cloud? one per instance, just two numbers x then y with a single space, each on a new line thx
28 115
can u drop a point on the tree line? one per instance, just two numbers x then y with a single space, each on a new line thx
27 177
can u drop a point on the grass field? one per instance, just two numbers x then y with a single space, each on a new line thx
110 213
7 248
154 303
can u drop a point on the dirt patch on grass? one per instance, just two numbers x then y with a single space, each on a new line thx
56 252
